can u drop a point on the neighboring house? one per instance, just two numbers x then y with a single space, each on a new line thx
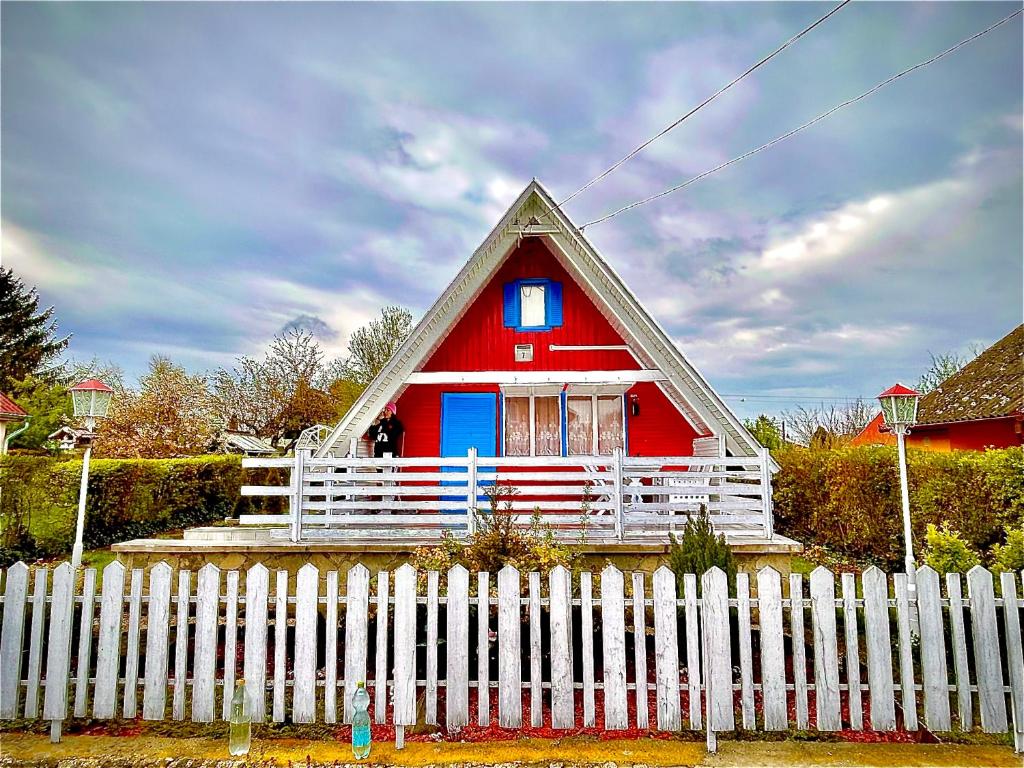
10 414
537 348
980 406
230 441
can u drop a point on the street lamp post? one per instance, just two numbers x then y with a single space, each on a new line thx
91 401
899 412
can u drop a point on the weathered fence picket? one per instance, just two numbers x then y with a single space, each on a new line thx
38 629
773 654
613 641
510 671
457 655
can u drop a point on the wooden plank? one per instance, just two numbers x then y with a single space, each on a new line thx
796 623
180 645
483 653
230 643
745 650
158 613
1014 654
307 595
380 682
11 638
85 631
280 646
693 664
908 693
430 705
108 647
35 643
852 634
666 650
587 631
254 669
879 649
357 631
717 639
58 646
131 659
613 637
640 650
826 650
457 655
987 664
559 596
510 672
204 662
331 624
405 646
773 655
934 674
958 638
536 696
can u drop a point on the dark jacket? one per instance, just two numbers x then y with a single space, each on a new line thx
385 435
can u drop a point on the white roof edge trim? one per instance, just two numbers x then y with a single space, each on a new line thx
380 389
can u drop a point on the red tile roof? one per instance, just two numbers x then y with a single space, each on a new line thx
990 386
9 408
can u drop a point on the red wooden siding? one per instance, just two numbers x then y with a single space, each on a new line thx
660 429
480 342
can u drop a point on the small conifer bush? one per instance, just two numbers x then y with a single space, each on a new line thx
699 549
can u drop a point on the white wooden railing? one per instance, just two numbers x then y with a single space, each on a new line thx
609 496
764 653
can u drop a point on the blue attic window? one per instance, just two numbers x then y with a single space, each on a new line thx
533 304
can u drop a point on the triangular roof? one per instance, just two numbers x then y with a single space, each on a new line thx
10 410
534 213
990 386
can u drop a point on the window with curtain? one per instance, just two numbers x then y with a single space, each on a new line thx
531 302
579 422
517 426
547 433
609 424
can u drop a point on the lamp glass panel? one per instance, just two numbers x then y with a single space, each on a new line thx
101 403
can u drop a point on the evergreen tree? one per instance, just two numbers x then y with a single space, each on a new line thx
699 549
28 337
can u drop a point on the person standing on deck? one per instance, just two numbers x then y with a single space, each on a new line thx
385 432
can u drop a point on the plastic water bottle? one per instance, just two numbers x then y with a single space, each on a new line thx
361 722
240 728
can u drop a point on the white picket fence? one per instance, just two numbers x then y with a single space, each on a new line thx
613 496
155 646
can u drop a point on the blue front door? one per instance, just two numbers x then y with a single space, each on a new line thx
468 420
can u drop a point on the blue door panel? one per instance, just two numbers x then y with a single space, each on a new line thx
468 420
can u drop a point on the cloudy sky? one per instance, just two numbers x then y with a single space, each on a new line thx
188 179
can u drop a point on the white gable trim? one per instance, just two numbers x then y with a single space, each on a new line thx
685 385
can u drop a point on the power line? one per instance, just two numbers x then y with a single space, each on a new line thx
808 124
696 109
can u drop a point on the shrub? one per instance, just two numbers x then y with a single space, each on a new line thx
848 500
498 541
699 549
127 499
947 552
1009 556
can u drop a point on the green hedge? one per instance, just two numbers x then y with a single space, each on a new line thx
128 499
848 500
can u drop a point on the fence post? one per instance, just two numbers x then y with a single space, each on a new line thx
471 486
296 498
766 493
617 470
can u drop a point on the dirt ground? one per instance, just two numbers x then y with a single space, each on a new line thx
17 749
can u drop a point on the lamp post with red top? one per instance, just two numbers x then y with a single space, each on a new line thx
91 401
899 412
